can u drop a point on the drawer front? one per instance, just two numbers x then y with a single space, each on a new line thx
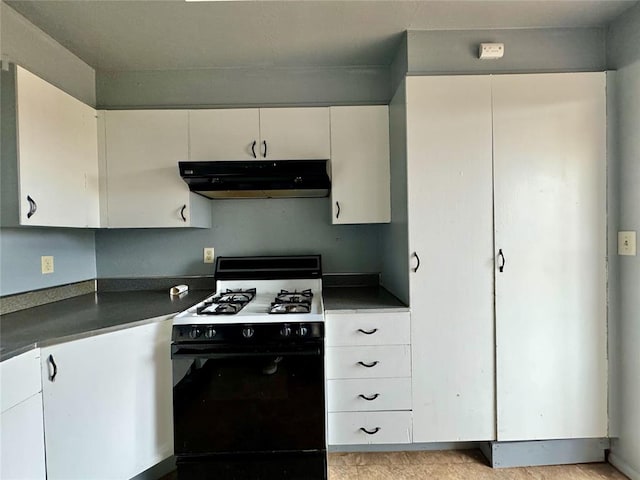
346 428
368 329
369 394
369 362
20 378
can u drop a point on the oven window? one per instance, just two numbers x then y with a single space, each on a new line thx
248 404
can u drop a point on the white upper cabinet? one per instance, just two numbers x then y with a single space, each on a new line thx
259 134
57 149
232 134
360 183
550 225
294 133
144 189
449 168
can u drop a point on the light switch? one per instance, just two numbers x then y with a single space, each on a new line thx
626 243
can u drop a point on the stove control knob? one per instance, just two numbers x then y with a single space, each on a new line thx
285 331
247 332
195 332
209 333
303 331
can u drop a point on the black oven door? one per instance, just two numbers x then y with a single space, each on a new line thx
230 400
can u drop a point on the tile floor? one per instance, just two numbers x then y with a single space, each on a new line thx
452 465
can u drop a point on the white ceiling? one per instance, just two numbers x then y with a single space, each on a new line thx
174 34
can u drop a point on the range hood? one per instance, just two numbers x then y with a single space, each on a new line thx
257 178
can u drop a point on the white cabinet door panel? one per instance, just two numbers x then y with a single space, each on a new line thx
368 362
295 133
57 155
108 412
19 378
369 394
367 329
550 139
346 428
22 441
451 232
144 188
360 178
224 134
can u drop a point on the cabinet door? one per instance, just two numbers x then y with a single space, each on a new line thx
451 232
107 411
549 137
144 188
231 134
294 133
57 155
22 441
360 183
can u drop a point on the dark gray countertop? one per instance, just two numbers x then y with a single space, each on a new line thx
94 313
85 315
360 298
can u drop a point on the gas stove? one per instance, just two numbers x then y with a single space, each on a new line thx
248 368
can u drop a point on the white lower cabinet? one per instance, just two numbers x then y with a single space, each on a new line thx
368 378
21 428
22 441
108 403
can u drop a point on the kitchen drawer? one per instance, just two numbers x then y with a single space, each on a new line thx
385 361
383 329
384 394
20 378
345 428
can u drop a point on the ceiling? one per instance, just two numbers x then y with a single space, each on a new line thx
173 34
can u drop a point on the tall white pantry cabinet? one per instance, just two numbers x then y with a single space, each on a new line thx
507 223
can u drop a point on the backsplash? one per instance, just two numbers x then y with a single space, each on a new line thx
241 227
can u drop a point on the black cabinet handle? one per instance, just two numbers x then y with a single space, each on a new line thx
264 154
501 264
415 254
184 207
33 206
368 365
253 149
370 432
52 377
368 332
371 398
338 212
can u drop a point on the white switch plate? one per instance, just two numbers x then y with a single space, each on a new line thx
208 255
627 243
46 264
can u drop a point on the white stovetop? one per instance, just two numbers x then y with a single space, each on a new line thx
257 310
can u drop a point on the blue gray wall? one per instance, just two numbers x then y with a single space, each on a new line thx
21 248
623 53
242 227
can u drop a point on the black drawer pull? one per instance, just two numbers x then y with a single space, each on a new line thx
368 332
370 432
253 149
371 398
184 207
368 365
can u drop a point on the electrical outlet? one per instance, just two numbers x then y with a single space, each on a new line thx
626 243
208 255
47 264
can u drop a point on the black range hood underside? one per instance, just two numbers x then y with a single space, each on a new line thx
257 178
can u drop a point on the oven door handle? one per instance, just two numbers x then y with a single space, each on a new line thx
213 353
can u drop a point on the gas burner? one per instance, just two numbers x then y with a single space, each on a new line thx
235 295
229 302
289 306
285 296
